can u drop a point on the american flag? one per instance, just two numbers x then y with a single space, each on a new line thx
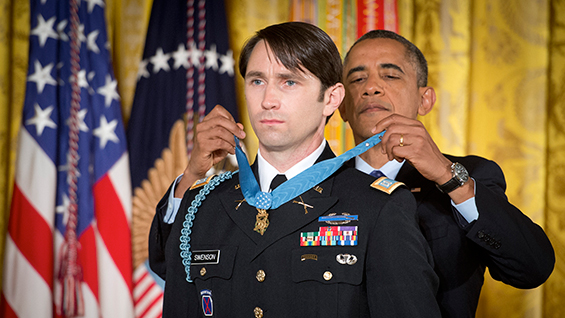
187 68
68 247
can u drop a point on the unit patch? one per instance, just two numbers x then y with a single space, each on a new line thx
386 185
207 303
330 236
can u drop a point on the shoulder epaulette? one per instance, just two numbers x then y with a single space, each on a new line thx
386 185
201 182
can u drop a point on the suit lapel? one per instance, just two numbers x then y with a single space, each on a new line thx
415 182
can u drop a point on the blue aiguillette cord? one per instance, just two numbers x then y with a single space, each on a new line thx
296 185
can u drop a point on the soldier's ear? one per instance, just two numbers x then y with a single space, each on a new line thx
333 98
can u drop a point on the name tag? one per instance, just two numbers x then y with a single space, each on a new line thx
205 257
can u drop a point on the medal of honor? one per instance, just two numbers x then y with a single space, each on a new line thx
262 221
294 187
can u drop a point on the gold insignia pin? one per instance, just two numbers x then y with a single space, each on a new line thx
262 221
239 203
305 205
309 256
318 189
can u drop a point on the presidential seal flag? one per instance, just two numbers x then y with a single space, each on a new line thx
187 68
68 247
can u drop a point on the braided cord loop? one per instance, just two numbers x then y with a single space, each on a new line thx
186 230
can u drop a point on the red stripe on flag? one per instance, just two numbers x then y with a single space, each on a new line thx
113 227
5 308
140 279
32 235
88 260
144 293
153 303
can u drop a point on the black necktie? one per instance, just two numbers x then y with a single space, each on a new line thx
377 174
277 181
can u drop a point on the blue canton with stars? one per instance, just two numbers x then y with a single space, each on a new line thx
47 107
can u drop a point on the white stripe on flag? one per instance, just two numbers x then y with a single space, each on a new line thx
114 293
36 177
23 286
120 177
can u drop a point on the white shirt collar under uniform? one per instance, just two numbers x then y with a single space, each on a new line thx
267 172
390 169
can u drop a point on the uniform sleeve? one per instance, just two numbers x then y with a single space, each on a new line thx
158 235
401 281
517 251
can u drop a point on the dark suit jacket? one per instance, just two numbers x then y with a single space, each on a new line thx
516 250
392 277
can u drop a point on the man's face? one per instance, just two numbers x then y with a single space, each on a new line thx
379 81
283 105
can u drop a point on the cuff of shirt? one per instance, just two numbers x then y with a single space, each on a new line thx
173 203
468 209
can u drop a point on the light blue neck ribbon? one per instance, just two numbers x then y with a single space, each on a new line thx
296 185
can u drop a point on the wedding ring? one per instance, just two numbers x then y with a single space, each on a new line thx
401 143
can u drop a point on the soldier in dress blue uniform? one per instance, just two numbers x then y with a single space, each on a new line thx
330 241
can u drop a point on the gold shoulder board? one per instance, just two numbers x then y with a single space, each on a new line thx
201 182
386 185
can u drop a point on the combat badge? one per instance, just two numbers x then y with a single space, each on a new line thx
201 182
334 219
386 185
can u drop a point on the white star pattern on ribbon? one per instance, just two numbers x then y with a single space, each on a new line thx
42 76
160 61
44 29
42 119
106 131
185 58
109 91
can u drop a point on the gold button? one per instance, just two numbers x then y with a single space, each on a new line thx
258 312
203 271
260 275
328 275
